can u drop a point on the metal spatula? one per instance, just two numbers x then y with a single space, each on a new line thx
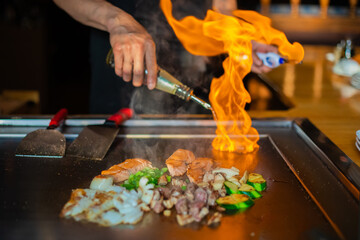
94 141
47 142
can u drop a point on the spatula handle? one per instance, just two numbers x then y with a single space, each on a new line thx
121 116
58 118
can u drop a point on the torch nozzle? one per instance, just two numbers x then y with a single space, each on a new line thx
201 102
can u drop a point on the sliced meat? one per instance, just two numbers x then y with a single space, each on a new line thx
181 206
135 164
198 168
214 219
191 187
176 192
168 203
189 195
178 182
177 163
166 192
122 171
158 206
157 202
203 212
209 177
211 201
184 219
162 180
201 195
194 210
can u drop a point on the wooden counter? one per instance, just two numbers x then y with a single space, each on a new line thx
326 99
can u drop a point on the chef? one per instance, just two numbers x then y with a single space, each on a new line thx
116 25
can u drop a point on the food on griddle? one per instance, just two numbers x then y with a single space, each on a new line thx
101 182
167 213
250 191
112 206
235 201
122 171
178 162
218 182
198 168
214 219
152 174
125 191
145 190
231 188
163 180
257 181
230 174
244 178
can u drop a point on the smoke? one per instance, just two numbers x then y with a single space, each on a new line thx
194 71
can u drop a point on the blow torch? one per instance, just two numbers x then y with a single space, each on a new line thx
168 83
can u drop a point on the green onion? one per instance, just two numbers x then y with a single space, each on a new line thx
152 174
168 178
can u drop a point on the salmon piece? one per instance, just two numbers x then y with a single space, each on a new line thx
178 162
122 171
198 168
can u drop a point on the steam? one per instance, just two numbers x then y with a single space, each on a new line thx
191 70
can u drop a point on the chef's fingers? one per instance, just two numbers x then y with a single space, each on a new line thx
118 60
138 70
151 64
128 63
260 69
262 47
267 48
256 64
265 69
256 60
255 69
272 48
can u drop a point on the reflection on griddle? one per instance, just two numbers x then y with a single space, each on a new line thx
264 96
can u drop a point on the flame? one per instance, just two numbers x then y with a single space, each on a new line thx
232 35
243 162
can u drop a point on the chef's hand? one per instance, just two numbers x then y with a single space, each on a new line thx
134 51
258 65
133 47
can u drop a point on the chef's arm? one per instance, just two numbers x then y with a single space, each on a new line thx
132 45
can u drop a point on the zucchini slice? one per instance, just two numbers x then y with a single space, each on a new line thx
250 191
257 181
231 188
235 201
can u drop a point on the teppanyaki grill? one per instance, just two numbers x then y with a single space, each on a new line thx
311 193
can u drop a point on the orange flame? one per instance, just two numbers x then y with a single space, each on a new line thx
243 162
218 34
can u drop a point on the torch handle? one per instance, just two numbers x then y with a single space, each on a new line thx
58 118
120 116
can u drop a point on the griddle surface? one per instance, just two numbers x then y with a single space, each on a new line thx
34 190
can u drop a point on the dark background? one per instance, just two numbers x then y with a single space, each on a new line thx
44 49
